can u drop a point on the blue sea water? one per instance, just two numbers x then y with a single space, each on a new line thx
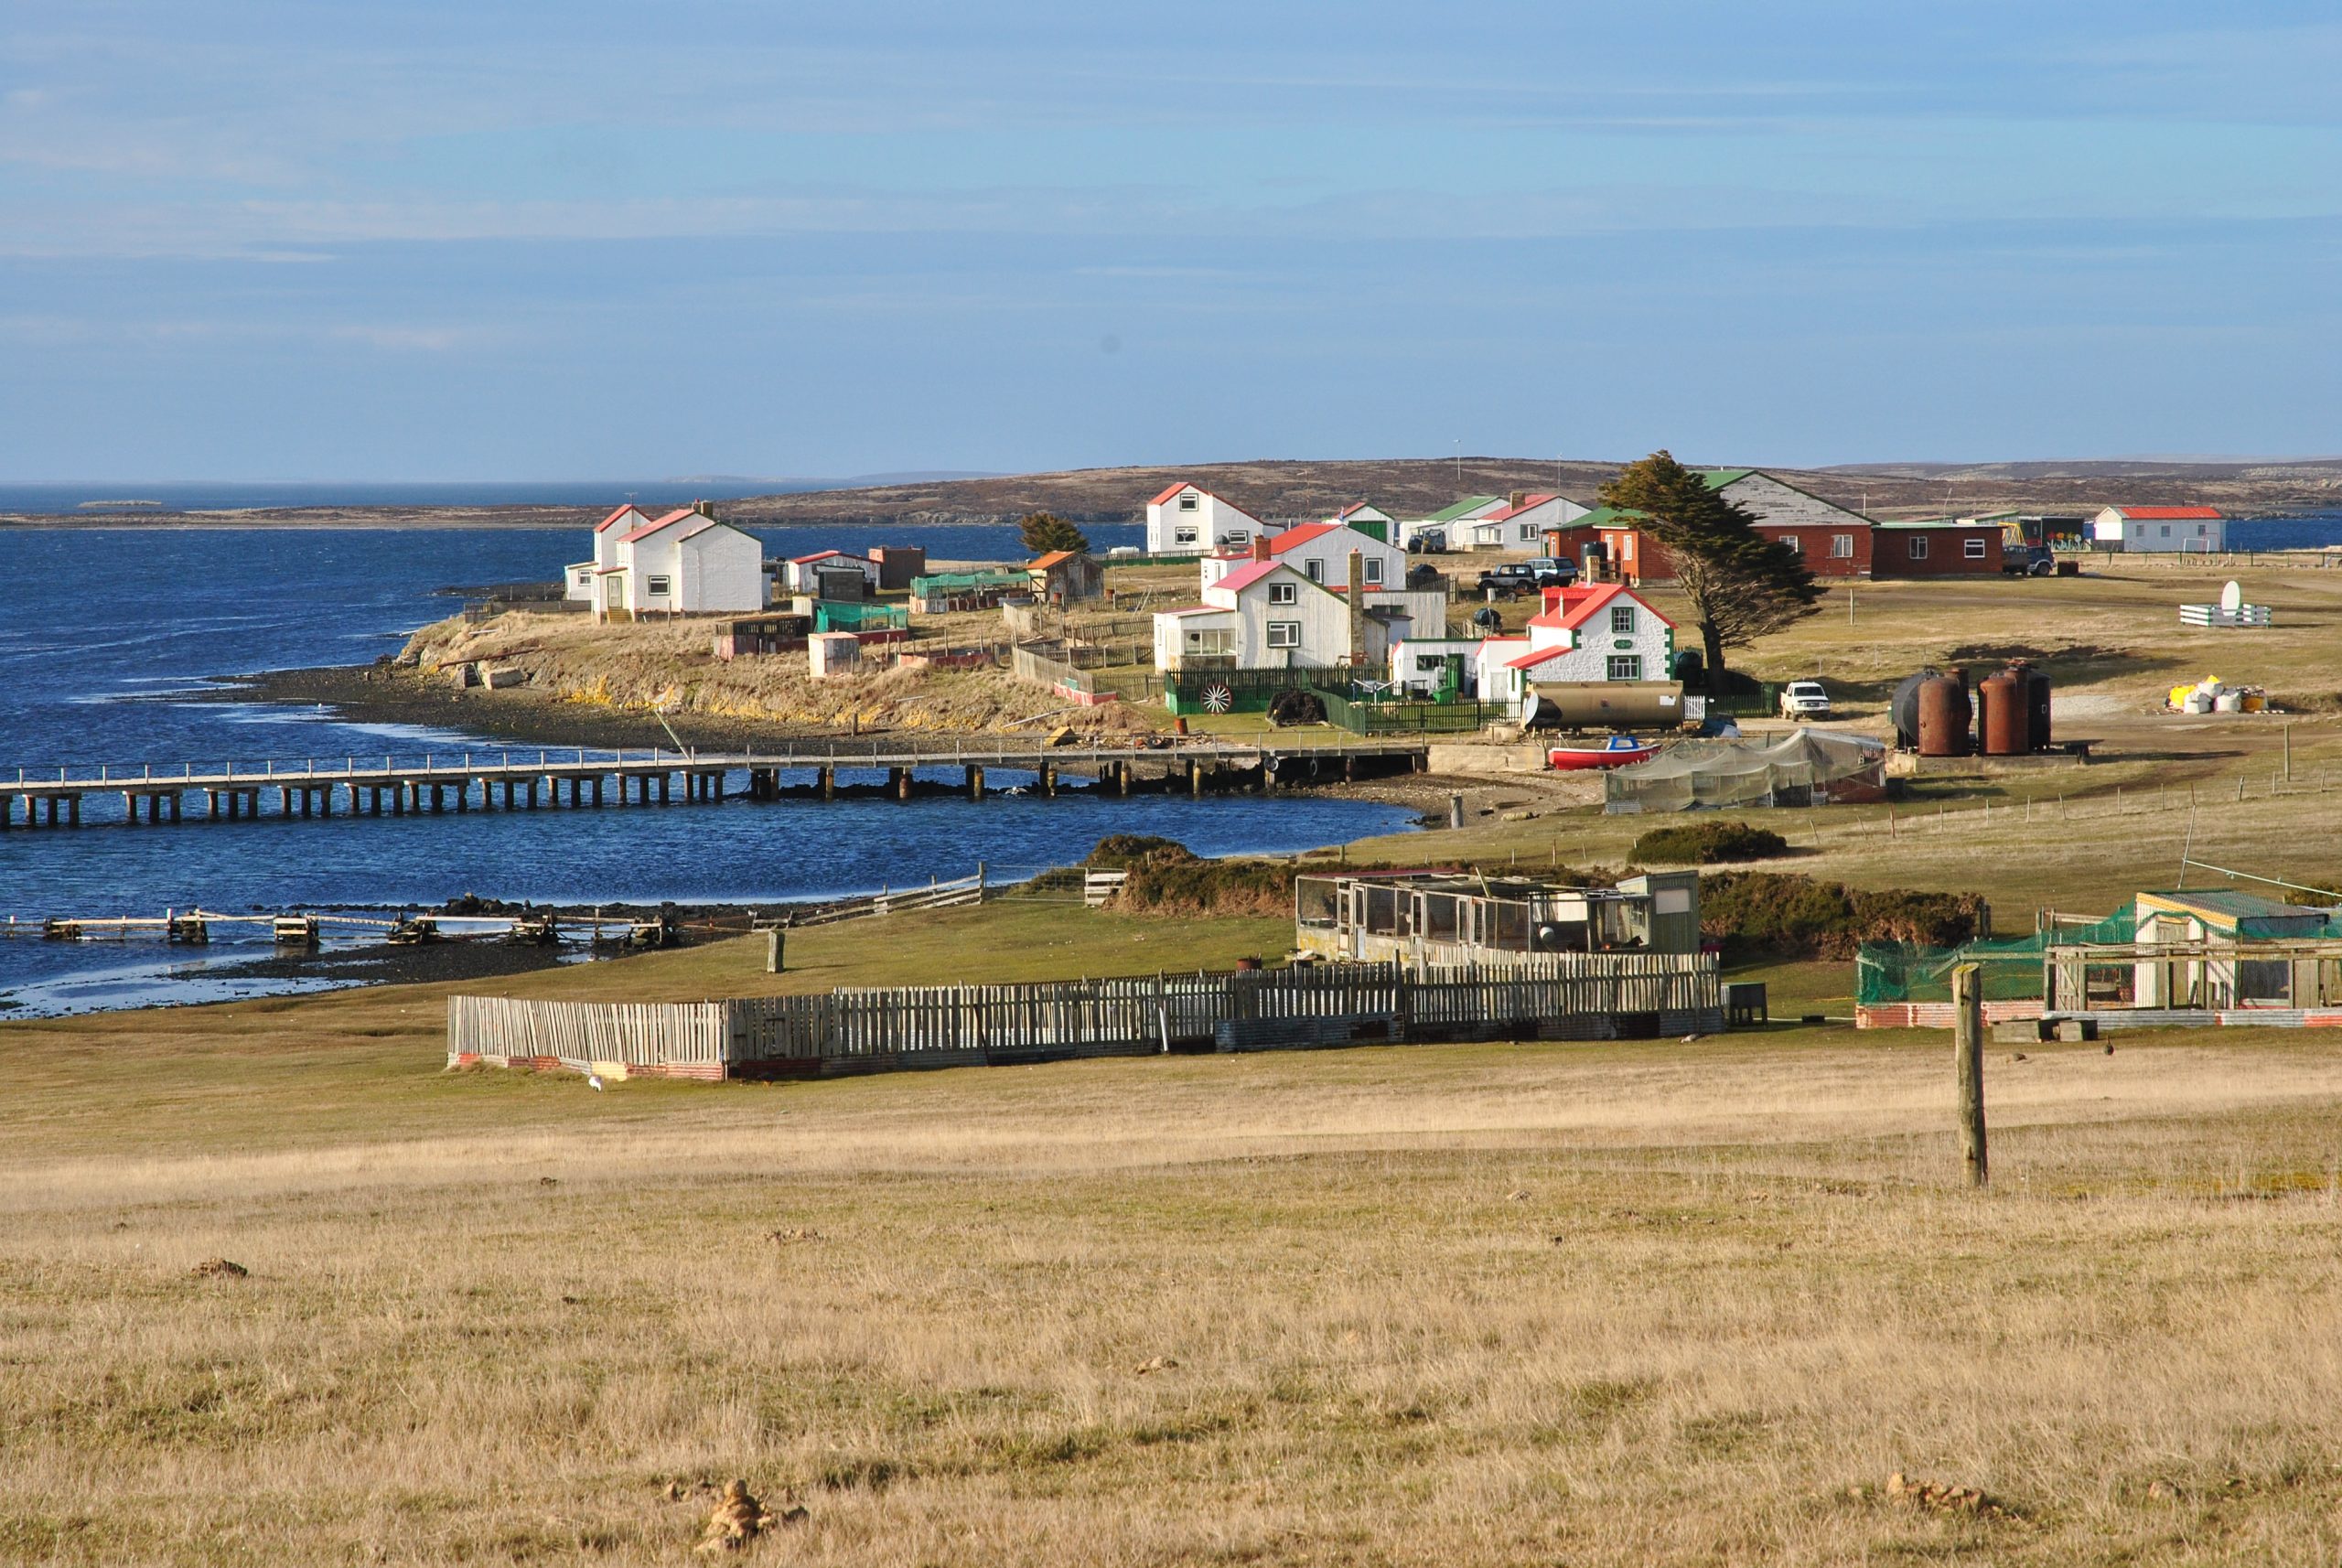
128 616
181 495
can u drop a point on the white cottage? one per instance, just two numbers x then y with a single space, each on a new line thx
2156 529
803 573
1322 552
1266 614
1605 632
579 578
1520 523
1187 520
685 562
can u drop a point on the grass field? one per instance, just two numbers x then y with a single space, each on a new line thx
1685 1302
1625 1304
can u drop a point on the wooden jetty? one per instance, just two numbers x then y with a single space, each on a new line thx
153 794
307 928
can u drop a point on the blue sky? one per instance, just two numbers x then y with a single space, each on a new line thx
468 240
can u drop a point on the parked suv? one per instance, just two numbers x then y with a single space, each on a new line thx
1527 576
1804 700
2027 561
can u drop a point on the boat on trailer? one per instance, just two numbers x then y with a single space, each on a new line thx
1617 751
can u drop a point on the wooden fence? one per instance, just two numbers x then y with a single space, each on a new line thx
900 901
860 1030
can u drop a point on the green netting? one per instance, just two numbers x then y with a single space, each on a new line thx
2011 969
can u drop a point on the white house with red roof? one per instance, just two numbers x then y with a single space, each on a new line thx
2157 528
1605 632
1322 552
578 577
1520 523
803 574
1186 520
1267 615
684 562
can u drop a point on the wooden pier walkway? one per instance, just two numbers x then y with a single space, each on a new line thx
159 793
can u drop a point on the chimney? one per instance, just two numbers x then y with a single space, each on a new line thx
1357 608
1519 498
1259 547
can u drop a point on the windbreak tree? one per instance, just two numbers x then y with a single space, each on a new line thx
1042 532
1739 583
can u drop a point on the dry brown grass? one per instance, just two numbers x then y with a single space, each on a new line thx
1593 1303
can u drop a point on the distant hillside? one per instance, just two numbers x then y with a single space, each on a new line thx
1416 486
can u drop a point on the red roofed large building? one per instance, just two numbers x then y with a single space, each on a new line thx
1605 632
2160 528
682 562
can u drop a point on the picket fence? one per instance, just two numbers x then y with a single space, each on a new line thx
860 1030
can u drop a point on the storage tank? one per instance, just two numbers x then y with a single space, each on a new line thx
2002 700
1943 717
1603 705
1904 708
1593 562
2036 704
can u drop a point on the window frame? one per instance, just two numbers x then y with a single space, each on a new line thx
1842 547
1972 549
1372 566
659 587
1190 501
1622 620
1284 634
1915 547
1623 667
1285 593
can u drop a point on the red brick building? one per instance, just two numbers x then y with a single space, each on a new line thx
1938 549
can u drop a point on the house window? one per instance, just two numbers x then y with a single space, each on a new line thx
1973 548
1285 593
1183 536
1624 666
1187 502
1315 569
1218 639
1529 533
1622 620
656 588
1430 663
1841 546
1237 538
1284 634
2166 531
1374 569
1919 545
1796 541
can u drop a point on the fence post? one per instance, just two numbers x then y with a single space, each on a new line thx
1968 1054
773 940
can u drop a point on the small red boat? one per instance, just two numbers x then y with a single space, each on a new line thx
1617 752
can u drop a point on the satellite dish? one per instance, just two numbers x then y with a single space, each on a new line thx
2232 597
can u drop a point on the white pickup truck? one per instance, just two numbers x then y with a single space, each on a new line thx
1804 700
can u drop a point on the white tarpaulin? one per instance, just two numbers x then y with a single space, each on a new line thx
1808 768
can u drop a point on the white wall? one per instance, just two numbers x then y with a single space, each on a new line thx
1405 655
722 569
2153 534
1593 645
1331 553
1216 523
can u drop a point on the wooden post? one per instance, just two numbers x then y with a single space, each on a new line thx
773 942
2287 732
1968 1055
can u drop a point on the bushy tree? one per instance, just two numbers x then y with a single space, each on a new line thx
1739 583
1042 532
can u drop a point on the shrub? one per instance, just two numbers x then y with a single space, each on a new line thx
1124 852
1704 843
1193 886
1799 916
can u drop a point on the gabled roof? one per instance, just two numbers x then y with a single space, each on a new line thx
1242 577
1529 503
1573 606
1469 503
2168 513
612 521
829 554
1355 508
1042 564
1611 517
1717 479
1199 610
673 518
1174 490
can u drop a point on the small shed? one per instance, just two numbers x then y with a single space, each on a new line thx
1067 576
753 635
897 565
833 653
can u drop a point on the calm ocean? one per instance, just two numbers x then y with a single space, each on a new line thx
135 615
